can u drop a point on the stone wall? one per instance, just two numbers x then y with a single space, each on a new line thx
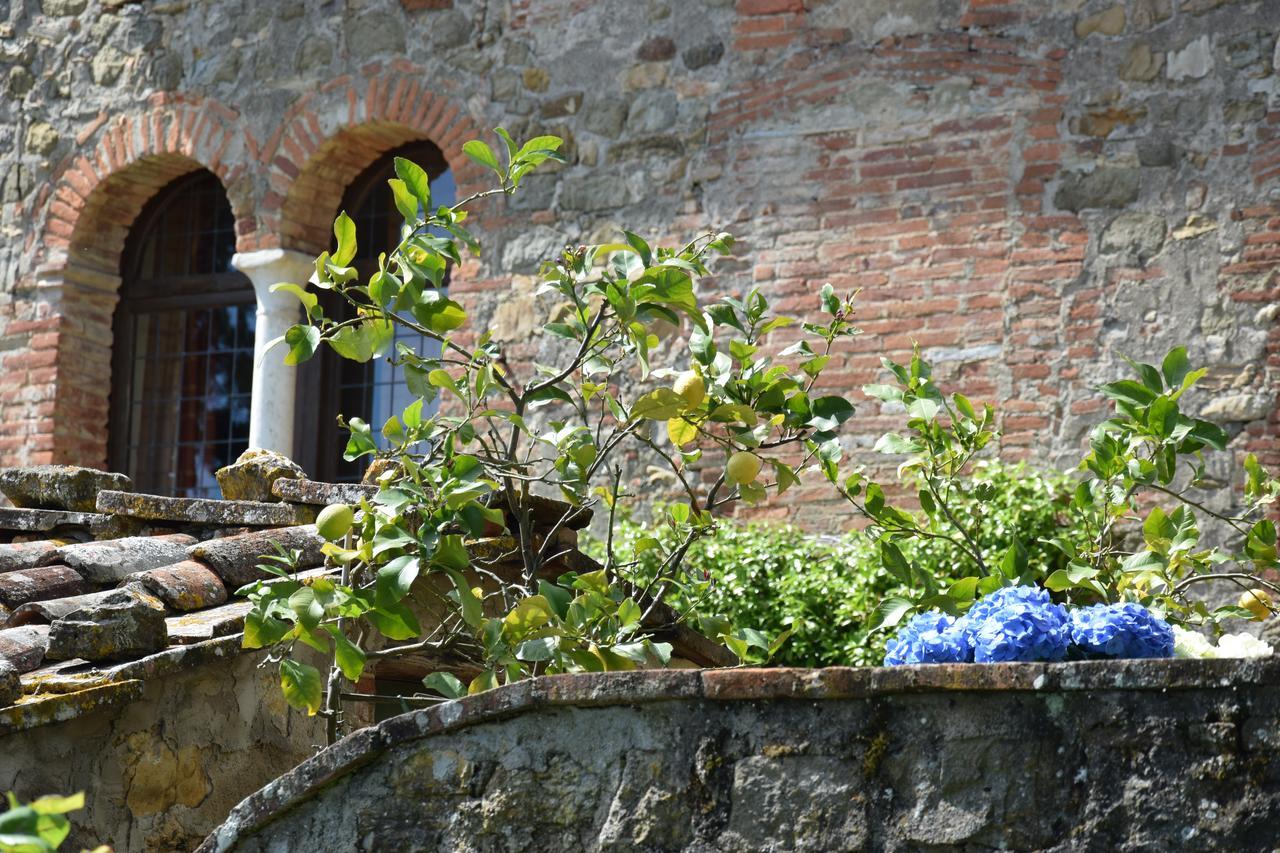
161 762
1029 189
1121 755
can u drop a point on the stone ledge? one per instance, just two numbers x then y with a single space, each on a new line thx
73 690
45 520
217 513
730 685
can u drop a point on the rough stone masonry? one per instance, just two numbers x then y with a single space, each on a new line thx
1028 189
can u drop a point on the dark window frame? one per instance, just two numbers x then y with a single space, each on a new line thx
141 296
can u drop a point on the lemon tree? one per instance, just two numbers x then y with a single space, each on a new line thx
733 392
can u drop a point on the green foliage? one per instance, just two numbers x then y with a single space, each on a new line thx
498 433
1130 532
825 590
38 827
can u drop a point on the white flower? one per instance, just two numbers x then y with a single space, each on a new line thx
1242 646
1192 644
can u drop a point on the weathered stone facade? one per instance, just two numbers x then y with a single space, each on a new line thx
161 760
1116 755
1029 189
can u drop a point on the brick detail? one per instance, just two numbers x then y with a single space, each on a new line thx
332 134
56 370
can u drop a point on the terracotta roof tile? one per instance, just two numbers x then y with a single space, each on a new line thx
92 604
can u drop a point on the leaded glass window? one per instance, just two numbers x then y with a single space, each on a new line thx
183 343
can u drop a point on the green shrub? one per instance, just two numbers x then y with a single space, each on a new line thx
826 588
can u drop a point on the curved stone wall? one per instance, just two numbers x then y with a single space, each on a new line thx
1172 754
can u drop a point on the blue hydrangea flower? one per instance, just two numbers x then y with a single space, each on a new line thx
1017 623
1121 631
931 637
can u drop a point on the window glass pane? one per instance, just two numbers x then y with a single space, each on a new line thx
190 414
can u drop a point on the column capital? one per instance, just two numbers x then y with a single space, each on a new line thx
266 267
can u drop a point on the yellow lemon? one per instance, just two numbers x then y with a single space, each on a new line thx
1257 602
743 467
334 521
691 386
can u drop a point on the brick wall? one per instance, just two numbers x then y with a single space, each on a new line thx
1028 189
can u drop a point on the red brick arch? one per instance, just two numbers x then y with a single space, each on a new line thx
95 196
331 135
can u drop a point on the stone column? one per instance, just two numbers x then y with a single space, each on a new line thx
274 382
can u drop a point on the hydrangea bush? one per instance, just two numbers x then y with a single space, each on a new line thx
1022 623
1130 533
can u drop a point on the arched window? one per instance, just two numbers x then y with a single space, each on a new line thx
182 362
374 390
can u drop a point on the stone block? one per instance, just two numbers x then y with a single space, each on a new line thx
27 555
44 520
112 560
59 486
1137 235
315 493
1192 61
656 49
198 626
1109 22
251 476
10 684
1238 408
24 647
235 558
121 626
203 511
1141 64
1104 187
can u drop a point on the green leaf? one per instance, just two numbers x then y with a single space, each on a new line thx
660 405
396 578
445 684
302 342
468 601
301 685
307 608
681 431
396 622
482 154
1175 367
344 230
262 630
309 300
539 144
349 657
1207 432
482 682
892 443
963 590
417 183
895 562
543 648
406 202
439 313
1128 391
890 612
364 341
531 613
